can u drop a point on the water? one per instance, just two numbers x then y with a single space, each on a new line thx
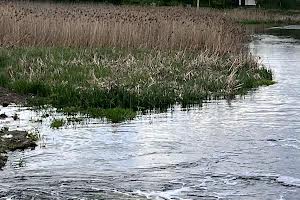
248 148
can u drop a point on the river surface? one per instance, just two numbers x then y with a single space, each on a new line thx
248 148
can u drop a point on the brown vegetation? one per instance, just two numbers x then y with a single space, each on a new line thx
87 25
155 56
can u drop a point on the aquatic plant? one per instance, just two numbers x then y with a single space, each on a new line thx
33 136
15 116
57 123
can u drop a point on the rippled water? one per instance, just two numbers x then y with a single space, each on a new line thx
248 148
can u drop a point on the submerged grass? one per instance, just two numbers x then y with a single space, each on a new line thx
57 123
114 115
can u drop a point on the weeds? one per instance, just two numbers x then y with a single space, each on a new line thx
57 123
33 136
138 80
115 115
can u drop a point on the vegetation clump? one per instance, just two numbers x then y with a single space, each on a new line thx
138 80
57 123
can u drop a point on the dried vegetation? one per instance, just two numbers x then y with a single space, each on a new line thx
88 57
87 25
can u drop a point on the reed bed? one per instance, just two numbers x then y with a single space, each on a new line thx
92 25
91 58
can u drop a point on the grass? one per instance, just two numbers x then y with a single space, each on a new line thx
114 115
127 79
57 123
87 25
108 61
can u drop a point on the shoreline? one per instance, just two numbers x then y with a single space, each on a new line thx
9 97
15 140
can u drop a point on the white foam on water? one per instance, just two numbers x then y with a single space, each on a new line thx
291 27
288 180
169 194
230 182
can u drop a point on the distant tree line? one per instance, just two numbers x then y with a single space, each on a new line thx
284 4
213 3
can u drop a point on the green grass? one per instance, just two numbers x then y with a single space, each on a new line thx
57 123
114 115
115 83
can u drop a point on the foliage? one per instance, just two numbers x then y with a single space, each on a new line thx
57 123
285 4
134 79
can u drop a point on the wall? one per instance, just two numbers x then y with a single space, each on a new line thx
250 3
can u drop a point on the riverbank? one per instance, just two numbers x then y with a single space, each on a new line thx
103 60
128 79
7 97
14 140
247 147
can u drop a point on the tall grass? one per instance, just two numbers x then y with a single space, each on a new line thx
136 79
87 25
96 25
90 57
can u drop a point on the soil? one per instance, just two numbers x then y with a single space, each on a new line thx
7 97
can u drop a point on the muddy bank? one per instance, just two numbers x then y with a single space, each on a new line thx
7 97
14 140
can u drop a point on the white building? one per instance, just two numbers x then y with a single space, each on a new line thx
247 2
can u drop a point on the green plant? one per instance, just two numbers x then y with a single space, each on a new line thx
57 123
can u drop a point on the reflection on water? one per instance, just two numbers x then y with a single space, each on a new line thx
248 148
291 31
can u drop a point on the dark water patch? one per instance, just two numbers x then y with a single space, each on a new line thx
284 32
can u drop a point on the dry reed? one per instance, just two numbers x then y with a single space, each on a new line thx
92 25
156 57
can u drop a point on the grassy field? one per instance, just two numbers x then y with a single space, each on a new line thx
112 61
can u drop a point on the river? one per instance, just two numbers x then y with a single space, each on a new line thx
247 148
